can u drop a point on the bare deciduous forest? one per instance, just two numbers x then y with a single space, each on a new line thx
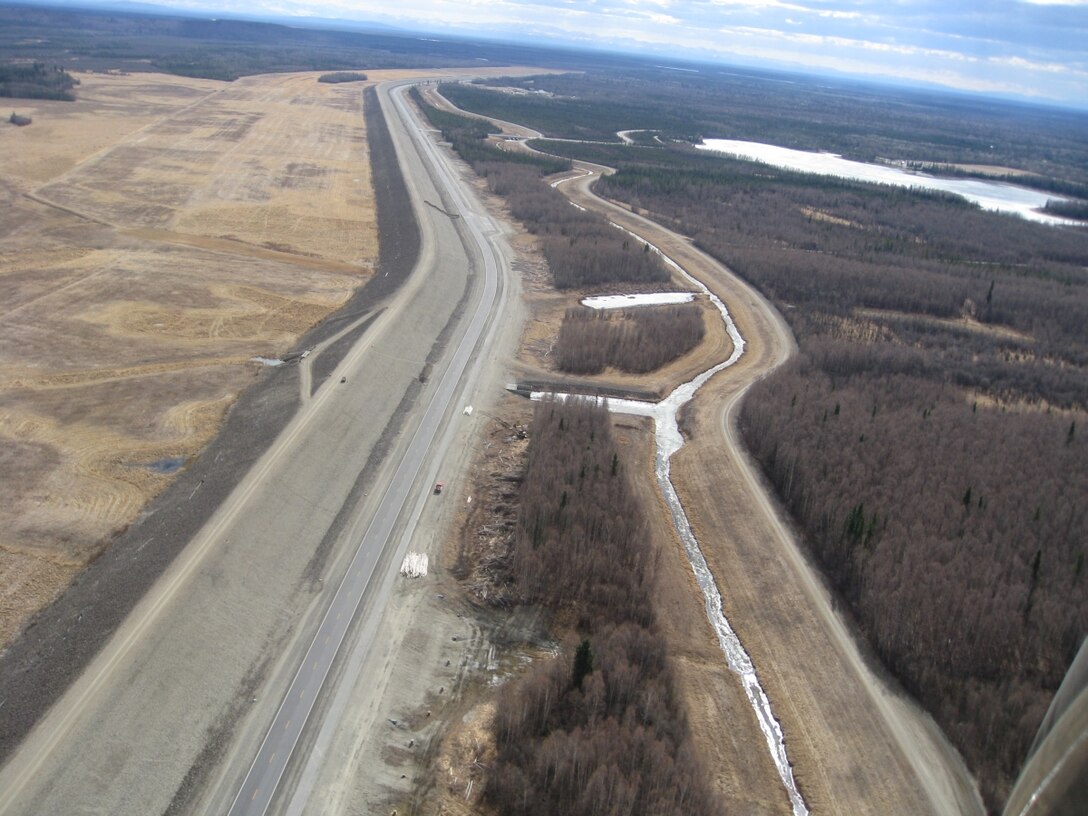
928 438
947 134
581 248
598 729
633 340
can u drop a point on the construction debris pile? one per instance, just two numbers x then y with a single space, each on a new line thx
414 565
483 561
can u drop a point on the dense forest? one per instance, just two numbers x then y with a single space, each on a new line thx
926 437
633 340
929 437
598 729
1068 209
35 80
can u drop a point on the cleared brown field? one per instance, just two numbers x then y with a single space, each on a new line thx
154 237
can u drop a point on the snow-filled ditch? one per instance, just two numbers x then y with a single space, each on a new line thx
668 441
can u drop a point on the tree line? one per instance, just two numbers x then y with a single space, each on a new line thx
632 340
956 535
36 80
863 124
342 76
598 729
468 136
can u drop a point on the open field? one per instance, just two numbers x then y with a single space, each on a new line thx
157 234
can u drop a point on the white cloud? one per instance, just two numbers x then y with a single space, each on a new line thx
1008 46
1043 67
837 15
824 40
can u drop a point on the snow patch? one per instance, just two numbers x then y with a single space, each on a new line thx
647 299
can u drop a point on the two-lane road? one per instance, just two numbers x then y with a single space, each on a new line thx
276 751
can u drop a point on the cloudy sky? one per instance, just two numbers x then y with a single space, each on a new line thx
1034 48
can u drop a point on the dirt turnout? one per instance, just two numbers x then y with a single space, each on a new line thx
157 234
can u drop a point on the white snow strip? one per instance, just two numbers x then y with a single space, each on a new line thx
414 565
647 299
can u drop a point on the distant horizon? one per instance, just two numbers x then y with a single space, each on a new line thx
1045 64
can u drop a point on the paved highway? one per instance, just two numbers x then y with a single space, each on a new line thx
171 713
263 779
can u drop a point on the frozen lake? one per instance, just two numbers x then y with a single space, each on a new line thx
990 195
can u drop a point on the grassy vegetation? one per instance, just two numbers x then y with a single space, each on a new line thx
36 81
598 729
927 438
633 340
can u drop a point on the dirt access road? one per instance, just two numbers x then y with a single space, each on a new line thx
857 742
